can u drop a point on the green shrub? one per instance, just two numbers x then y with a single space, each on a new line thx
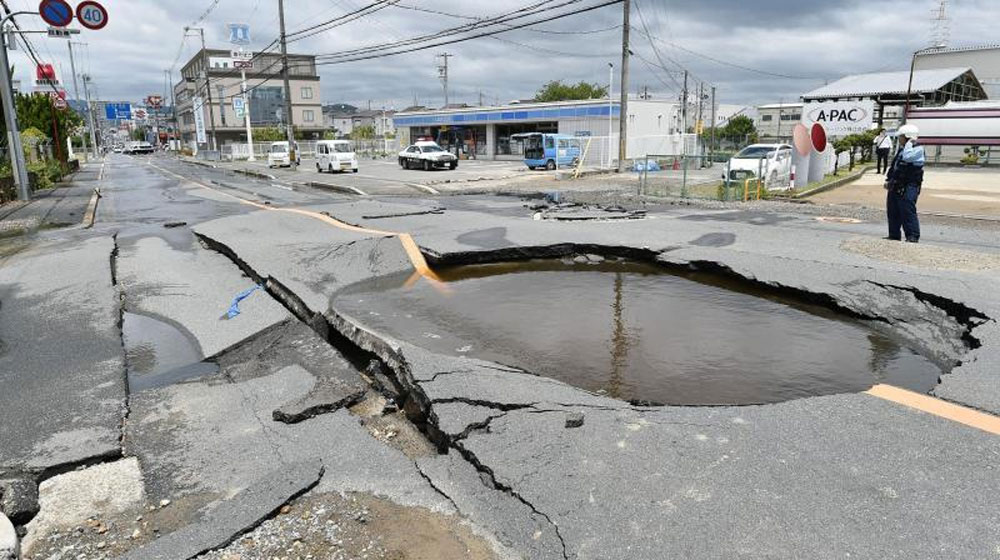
40 169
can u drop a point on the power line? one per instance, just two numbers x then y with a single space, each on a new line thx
534 30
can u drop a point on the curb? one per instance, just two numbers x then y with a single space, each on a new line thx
257 174
835 184
10 548
201 163
91 214
337 188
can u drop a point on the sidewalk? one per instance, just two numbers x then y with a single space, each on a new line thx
61 206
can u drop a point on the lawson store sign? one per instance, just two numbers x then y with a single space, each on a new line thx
506 115
840 118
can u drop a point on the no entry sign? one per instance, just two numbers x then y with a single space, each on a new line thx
56 13
91 15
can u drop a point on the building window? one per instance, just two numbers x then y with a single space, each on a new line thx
308 115
222 103
765 118
307 93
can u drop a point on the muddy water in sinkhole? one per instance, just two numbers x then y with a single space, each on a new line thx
158 353
638 333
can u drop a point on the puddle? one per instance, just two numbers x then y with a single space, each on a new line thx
158 354
636 332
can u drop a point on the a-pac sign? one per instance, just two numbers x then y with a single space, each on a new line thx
840 118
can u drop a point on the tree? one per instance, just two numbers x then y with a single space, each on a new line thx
366 132
139 134
37 111
558 91
740 129
268 134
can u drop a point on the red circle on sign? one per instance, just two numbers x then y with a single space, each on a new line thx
819 137
57 13
86 7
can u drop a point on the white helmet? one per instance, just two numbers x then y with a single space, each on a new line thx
909 130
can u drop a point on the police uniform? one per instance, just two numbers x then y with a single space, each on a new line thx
903 182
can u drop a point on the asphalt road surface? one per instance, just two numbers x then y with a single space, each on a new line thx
292 406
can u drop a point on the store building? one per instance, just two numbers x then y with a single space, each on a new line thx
486 132
266 97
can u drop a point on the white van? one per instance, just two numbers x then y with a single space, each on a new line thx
335 155
278 156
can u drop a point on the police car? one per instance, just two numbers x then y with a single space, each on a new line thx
426 156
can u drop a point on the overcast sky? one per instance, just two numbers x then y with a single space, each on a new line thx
809 42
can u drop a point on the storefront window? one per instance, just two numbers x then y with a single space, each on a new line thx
506 147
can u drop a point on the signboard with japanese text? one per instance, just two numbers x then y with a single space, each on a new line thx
199 120
840 118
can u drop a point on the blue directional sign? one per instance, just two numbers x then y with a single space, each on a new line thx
56 13
239 33
118 111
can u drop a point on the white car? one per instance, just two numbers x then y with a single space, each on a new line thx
426 156
335 155
278 155
772 161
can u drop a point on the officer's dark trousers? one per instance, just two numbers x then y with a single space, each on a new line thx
882 163
901 210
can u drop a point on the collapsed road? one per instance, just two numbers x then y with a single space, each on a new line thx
298 427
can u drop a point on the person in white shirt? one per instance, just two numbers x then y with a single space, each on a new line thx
883 145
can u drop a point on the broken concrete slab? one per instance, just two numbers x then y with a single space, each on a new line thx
69 499
192 288
217 436
61 362
308 257
10 548
230 518
19 499
338 383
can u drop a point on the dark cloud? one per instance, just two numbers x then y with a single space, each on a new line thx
722 42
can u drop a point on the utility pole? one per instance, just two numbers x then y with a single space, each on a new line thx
611 89
173 105
684 105
443 74
289 129
208 86
76 89
714 124
701 97
623 113
13 132
90 112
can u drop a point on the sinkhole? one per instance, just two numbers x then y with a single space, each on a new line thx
640 332
159 354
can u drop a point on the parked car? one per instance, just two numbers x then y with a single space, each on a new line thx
772 161
426 156
335 155
278 155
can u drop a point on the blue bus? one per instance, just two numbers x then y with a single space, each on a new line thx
540 150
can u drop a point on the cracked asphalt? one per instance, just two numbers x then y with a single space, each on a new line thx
295 406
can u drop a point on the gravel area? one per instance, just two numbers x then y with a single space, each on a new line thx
921 255
354 527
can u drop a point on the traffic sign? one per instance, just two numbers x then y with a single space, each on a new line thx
118 111
57 13
239 107
243 64
91 15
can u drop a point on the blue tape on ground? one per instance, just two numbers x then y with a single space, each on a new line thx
234 308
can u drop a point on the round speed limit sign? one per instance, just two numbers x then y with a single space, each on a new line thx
91 15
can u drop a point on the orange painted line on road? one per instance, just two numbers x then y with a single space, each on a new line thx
938 407
409 245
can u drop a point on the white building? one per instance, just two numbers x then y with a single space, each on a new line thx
984 60
485 132
775 121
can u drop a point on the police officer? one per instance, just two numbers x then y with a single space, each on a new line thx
903 182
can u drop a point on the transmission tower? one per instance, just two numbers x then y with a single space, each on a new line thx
940 26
